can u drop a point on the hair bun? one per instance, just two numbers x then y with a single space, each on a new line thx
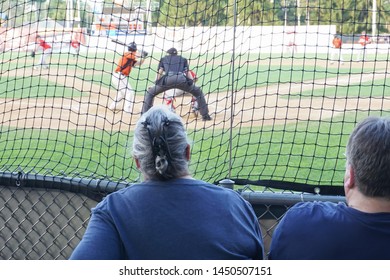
161 164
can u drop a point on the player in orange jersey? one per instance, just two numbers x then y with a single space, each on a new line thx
336 49
120 77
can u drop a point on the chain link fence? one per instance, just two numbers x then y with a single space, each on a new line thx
47 222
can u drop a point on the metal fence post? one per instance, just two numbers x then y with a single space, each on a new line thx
227 183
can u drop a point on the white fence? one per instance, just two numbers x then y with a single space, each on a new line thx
243 39
315 39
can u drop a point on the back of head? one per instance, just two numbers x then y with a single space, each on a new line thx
368 152
160 143
172 51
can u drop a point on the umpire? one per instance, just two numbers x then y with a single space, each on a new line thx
172 73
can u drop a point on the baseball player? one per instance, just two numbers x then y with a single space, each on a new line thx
364 40
170 95
336 49
75 47
121 74
291 46
41 44
173 74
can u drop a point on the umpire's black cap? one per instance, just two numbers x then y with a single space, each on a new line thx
172 51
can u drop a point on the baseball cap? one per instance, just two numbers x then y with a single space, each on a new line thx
132 47
172 51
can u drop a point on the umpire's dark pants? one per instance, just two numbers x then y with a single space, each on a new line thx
175 81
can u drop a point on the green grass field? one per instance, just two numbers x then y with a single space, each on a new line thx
300 151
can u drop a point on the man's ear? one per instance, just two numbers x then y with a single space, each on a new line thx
137 163
188 152
349 178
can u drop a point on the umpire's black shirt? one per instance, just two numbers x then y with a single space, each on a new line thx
173 64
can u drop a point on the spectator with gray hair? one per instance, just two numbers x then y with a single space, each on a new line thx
170 215
358 230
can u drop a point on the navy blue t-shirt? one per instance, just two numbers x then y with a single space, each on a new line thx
176 219
330 231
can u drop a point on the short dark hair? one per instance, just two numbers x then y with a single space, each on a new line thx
368 153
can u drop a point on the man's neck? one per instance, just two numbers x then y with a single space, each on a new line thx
369 204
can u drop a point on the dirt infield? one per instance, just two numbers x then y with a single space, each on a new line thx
259 106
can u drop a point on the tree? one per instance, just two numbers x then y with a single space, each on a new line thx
41 9
57 10
192 13
256 12
383 15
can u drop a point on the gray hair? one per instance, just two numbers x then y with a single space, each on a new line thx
368 153
160 143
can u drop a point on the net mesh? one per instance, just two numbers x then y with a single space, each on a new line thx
283 99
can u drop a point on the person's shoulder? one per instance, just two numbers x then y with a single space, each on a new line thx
318 208
314 214
230 196
122 192
216 188
316 205
129 55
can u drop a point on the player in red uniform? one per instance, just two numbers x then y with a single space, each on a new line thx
290 44
364 40
170 95
46 49
75 46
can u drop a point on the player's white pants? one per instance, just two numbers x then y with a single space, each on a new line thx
171 93
121 83
169 97
45 55
362 53
291 49
336 53
74 51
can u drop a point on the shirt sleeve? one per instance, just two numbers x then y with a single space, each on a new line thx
101 240
161 64
185 65
285 239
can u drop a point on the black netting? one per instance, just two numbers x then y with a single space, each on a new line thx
283 98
